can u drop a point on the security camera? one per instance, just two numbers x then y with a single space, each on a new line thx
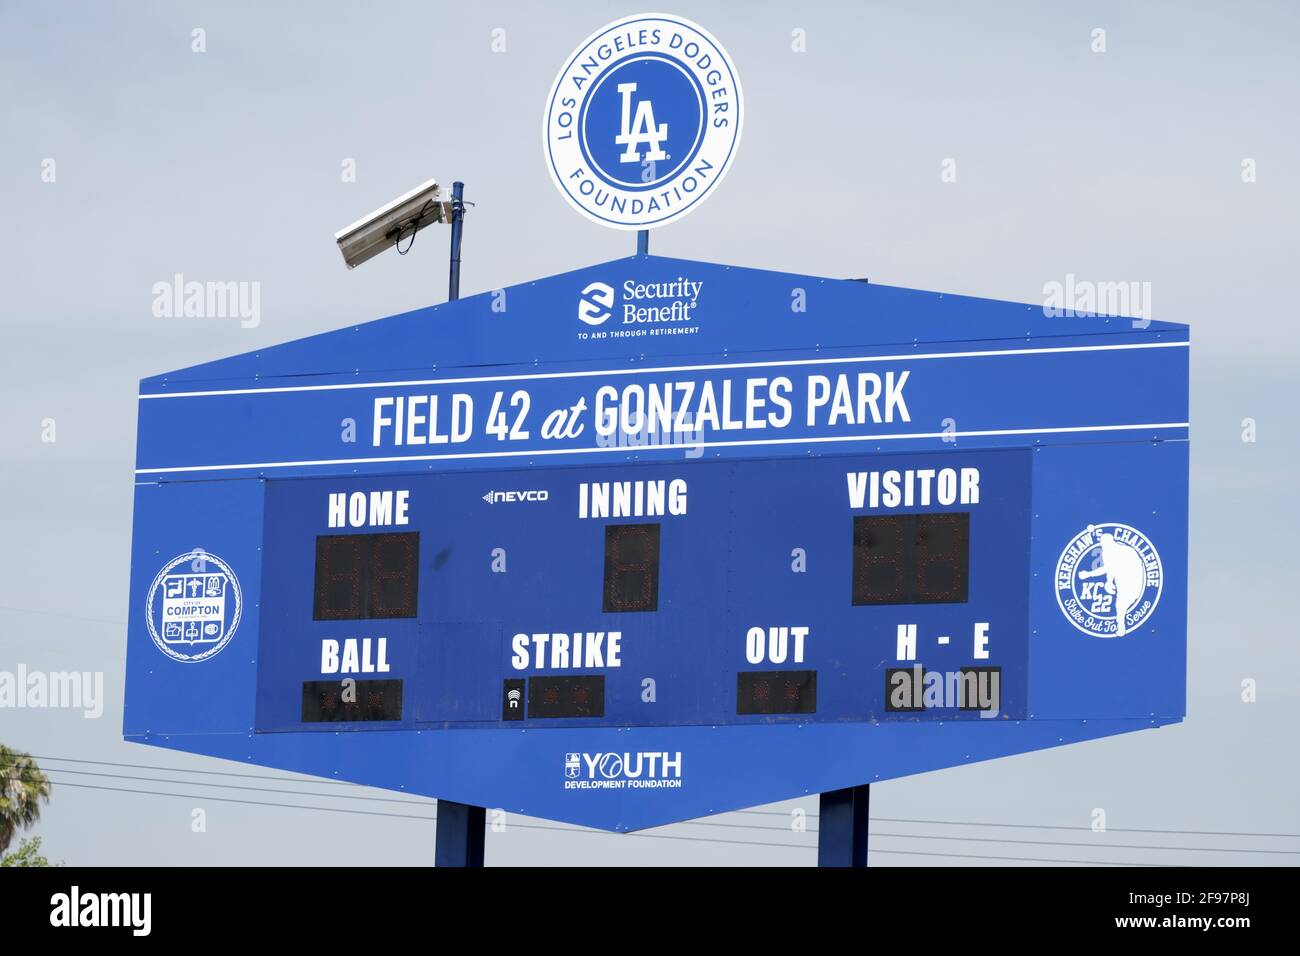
390 224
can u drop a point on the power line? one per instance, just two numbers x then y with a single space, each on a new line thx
971 839
401 816
781 813
66 617
212 773
337 796
304 793
794 846
660 836
1048 826
236 786
739 826
1022 859
526 826
1096 846
1042 826
254 803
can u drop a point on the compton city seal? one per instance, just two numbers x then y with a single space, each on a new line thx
1109 579
194 606
643 121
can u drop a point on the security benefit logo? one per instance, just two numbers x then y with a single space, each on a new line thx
1108 580
642 770
639 309
193 607
595 303
643 121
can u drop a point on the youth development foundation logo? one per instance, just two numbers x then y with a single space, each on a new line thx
643 121
193 607
1108 580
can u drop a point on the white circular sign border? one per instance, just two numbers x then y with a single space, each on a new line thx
682 211
212 652
1160 590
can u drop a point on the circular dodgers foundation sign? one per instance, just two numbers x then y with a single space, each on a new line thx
1109 579
643 121
194 606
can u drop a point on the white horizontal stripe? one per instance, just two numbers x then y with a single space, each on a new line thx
784 363
681 446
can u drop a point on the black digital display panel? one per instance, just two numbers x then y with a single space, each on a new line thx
362 576
631 567
776 692
911 559
974 689
981 689
566 696
905 689
360 700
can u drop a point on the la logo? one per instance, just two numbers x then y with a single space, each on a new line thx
640 131
608 120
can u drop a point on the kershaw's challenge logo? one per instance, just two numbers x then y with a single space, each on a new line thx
647 769
1108 580
193 607
642 121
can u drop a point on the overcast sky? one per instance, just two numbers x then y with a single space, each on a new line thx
225 165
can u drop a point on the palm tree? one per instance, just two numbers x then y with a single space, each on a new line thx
22 789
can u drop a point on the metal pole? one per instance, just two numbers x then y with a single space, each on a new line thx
460 832
643 242
842 827
457 226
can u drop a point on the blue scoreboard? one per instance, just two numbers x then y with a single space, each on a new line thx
658 538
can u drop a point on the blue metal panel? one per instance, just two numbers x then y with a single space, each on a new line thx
796 402
1144 485
1075 480
737 309
723 768
215 695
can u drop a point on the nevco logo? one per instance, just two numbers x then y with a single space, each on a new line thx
646 769
512 497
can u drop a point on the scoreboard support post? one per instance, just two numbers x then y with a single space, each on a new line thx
842 827
457 227
643 242
460 834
